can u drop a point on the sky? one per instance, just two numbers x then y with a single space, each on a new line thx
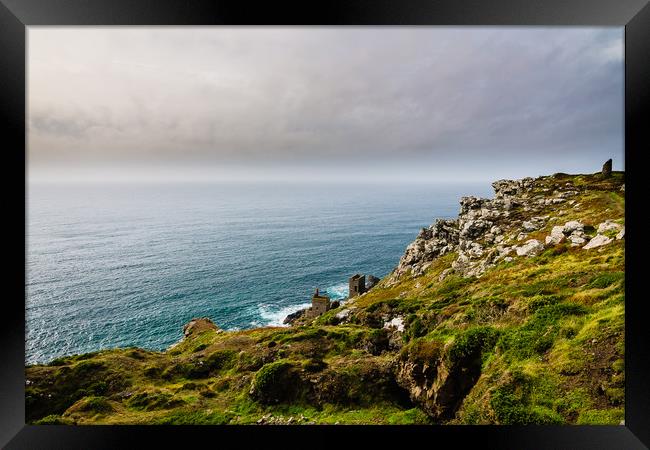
387 104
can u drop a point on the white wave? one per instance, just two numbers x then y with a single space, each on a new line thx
274 315
338 292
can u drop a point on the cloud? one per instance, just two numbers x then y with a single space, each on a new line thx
273 95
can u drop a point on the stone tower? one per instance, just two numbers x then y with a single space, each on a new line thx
319 304
607 168
357 285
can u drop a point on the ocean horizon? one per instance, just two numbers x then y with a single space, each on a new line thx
122 265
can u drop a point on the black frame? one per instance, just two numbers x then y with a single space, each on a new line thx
16 15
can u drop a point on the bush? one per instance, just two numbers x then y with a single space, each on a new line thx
275 382
472 343
510 410
221 359
415 329
512 405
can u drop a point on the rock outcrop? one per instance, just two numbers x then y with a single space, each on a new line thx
291 318
476 235
507 226
439 376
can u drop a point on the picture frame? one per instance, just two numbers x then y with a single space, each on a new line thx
17 15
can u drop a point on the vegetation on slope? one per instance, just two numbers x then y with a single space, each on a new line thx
532 340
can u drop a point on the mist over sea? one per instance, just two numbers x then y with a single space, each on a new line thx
120 265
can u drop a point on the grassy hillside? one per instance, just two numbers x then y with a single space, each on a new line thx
534 338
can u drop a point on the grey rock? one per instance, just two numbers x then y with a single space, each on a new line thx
597 241
445 273
472 229
572 226
532 247
608 225
291 318
621 234
556 236
529 226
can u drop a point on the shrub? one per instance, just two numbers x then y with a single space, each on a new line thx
512 405
275 382
221 359
472 343
415 329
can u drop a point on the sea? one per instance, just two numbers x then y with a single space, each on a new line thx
122 265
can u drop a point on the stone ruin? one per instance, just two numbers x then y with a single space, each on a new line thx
607 168
357 285
320 304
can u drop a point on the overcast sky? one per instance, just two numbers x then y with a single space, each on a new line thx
414 103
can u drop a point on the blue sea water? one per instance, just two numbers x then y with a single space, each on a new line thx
128 265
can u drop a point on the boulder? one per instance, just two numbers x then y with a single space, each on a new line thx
532 247
470 203
576 240
475 250
291 318
396 323
621 234
556 236
529 226
535 223
608 225
445 273
474 228
598 241
572 226
371 281
510 188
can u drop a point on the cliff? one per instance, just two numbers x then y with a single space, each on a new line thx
513 313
